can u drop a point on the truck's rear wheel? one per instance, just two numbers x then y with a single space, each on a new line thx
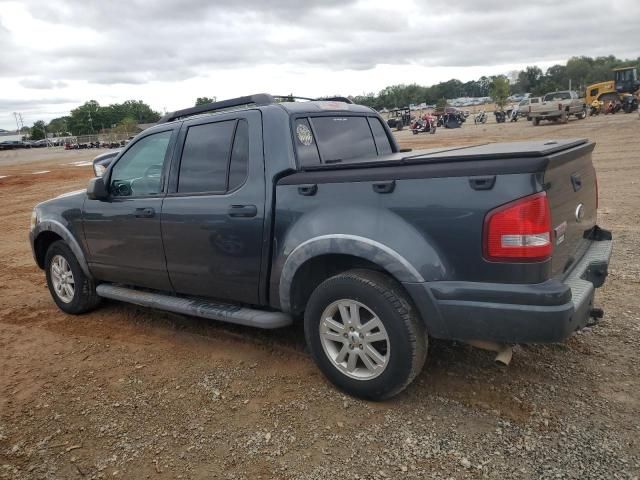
536 121
70 288
365 335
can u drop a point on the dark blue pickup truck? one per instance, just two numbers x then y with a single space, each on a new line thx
262 212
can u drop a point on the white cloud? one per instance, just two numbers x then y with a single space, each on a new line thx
167 52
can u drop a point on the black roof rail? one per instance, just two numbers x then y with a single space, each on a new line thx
335 99
321 99
292 98
257 99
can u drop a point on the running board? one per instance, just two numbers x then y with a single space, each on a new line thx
197 307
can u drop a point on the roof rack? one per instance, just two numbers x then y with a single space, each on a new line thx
335 99
257 99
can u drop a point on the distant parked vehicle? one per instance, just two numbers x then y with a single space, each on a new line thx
13 145
558 106
523 106
102 161
399 118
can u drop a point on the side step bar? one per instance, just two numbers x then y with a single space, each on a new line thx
196 307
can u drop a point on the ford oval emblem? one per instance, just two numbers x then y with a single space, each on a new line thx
579 213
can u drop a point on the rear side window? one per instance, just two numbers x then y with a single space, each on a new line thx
305 143
343 138
380 136
238 167
205 158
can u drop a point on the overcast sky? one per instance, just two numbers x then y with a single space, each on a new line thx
56 54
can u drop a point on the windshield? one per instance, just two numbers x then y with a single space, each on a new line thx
557 96
339 139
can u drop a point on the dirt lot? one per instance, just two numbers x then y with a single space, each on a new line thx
130 393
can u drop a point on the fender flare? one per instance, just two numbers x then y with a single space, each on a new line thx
62 231
354 245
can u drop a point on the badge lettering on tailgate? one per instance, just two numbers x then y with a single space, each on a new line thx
560 231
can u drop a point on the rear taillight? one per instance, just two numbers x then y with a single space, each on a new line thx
519 231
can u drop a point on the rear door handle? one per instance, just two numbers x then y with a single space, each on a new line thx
308 190
384 187
243 211
145 212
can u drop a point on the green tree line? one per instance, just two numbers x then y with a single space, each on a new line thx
582 71
91 117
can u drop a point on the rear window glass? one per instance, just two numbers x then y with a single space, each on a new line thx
343 138
339 139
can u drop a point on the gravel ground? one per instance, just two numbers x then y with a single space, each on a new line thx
126 392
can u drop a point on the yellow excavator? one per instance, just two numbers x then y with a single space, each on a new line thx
624 88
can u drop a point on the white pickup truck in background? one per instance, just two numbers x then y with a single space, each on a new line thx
558 106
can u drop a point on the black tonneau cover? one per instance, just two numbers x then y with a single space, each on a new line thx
535 149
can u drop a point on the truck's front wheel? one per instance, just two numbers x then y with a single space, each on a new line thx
70 288
365 334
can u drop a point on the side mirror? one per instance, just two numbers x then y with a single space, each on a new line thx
97 190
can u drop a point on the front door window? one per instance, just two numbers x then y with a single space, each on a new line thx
139 171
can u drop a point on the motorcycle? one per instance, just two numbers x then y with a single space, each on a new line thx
613 107
425 124
595 108
480 117
513 116
629 104
501 117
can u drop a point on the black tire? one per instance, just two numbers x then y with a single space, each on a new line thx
407 337
84 296
536 121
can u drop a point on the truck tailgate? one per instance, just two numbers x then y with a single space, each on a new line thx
570 182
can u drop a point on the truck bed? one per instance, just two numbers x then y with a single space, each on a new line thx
439 201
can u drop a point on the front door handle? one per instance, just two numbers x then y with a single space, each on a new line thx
145 212
243 211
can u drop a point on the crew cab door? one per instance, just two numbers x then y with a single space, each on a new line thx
123 232
213 215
